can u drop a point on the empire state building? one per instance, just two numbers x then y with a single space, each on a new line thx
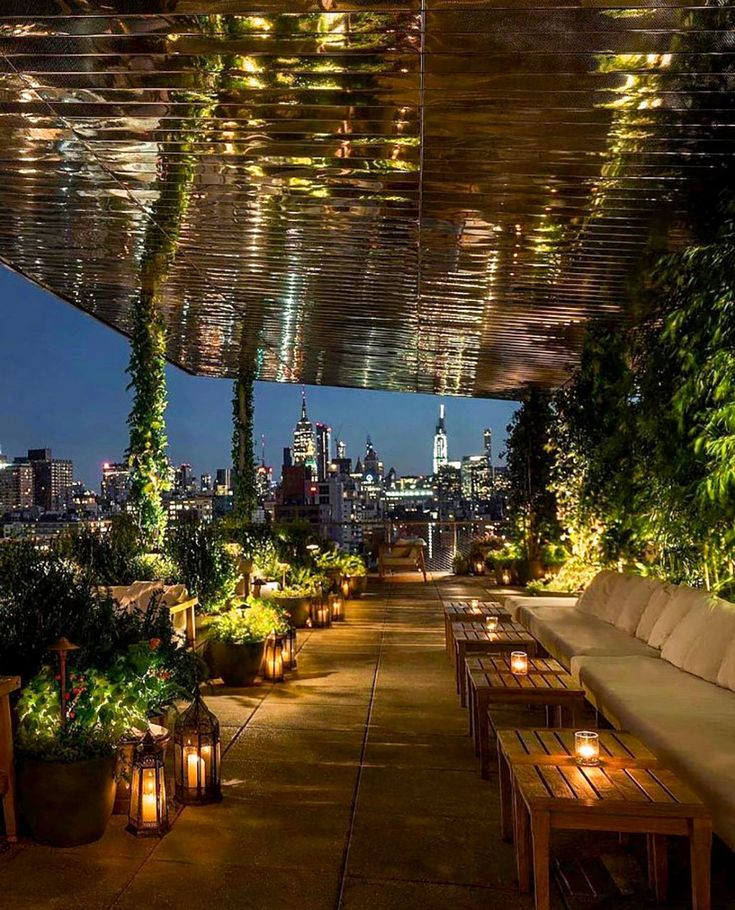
304 444
441 444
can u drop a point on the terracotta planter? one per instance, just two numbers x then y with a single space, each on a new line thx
298 608
237 665
67 803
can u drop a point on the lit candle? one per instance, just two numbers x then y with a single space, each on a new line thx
148 802
492 623
475 605
195 769
519 663
587 747
206 753
337 608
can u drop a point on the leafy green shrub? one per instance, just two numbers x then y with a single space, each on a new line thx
461 564
155 567
573 577
99 712
202 561
42 597
106 557
252 624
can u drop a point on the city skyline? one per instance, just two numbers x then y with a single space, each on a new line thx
65 376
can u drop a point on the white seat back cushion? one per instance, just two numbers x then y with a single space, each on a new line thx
700 641
658 600
595 600
634 592
680 603
726 675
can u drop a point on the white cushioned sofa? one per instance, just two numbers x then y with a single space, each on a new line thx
658 660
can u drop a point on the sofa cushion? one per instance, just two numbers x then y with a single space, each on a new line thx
658 600
726 674
596 599
700 641
634 592
565 632
685 721
679 604
514 602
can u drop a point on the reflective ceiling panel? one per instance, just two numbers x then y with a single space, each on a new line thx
430 195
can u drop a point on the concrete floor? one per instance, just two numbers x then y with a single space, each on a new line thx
351 786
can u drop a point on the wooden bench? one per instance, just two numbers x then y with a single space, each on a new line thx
8 684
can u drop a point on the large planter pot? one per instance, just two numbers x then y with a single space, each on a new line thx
237 665
358 585
67 803
298 608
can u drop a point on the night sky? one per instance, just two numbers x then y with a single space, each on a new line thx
63 386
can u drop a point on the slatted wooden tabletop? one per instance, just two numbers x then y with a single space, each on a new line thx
536 664
475 636
462 611
629 791
490 682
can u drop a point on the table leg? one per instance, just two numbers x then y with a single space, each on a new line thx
485 740
700 852
471 715
506 797
540 837
522 839
457 662
578 712
447 642
461 674
658 866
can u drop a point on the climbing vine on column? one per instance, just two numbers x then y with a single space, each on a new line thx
146 453
243 459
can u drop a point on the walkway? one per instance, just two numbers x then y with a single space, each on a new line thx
351 787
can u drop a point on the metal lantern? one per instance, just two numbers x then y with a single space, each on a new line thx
148 813
197 755
345 587
289 649
273 657
321 615
338 609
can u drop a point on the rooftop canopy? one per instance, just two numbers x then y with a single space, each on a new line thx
426 195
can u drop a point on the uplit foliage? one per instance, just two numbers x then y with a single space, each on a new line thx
252 624
529 458
245 497
146 454
204 561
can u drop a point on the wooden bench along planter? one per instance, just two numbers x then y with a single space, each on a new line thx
8 684
630 792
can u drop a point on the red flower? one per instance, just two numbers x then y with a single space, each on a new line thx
72 715
154 643
67 696
58 677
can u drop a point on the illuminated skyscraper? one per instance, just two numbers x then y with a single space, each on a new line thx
304 446
441 445
323 453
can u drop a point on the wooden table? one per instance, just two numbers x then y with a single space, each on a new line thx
630 791
490 682
8 684
474 636
462 612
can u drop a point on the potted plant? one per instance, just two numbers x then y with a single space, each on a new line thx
355 571
66 761
461 564
237 641
295 600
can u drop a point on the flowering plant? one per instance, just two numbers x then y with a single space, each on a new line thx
99 710
251 624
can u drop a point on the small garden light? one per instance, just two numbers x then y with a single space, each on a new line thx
289 649
273 662
337 605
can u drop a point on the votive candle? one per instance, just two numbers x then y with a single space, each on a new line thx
587 747
519 663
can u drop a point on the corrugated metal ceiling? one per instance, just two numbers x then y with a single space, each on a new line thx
431 195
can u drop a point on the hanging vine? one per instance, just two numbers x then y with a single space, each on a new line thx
243 458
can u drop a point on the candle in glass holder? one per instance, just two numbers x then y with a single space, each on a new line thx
519 663
195 768
491 623
587 747
475 605
148 806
